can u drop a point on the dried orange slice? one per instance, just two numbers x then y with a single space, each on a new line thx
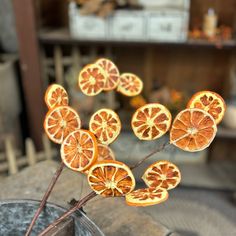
111 178
151 121
106 125
60 121
105 153
130 85
209 101
79 150
56 95
163 174
193 130
146 197
92 79
113 74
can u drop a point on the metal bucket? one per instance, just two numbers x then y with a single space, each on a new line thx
16 215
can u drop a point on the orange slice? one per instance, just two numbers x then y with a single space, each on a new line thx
106 125
113 74
209 101
163 174
60 122
56 95
92 79
79 150
193 130
146 197
105 153
111 178
151 121
130 85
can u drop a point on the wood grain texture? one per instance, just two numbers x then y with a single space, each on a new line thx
185 69
30 66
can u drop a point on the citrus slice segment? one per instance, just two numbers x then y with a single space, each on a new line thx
151 121
56 95
60 121
130 85
113 74
193 130
111 178
146 197
209 101
79 150
106 125
92 79
162 174
105 153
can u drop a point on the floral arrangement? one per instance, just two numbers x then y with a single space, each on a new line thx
88 151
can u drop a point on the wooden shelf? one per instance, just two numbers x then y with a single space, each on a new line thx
62 36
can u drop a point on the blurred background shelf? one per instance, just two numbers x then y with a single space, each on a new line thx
62 36
49 54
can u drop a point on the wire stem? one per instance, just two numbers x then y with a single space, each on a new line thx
45 197
91 195
79 204
159 149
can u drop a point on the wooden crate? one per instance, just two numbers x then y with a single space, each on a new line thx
167 25
128 25
154 4
86 26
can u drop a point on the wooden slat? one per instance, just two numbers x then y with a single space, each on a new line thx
4 158
30 152
76 58
12 160
20 162
111 96
47 147
11 156
23 161
44 63
58 64
148 70
26 28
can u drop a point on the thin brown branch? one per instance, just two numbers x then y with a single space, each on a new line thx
91 195
80 203
45 197
159 149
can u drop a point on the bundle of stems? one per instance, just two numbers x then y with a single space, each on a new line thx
83 200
